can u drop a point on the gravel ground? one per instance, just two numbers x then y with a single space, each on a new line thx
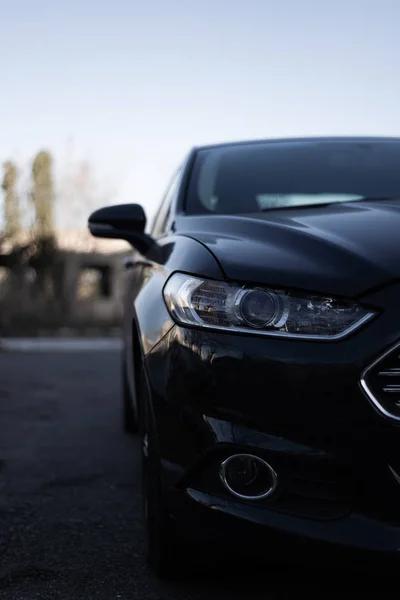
70 515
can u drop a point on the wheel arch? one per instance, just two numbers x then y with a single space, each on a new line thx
141 384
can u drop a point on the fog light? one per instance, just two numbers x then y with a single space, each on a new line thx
248 477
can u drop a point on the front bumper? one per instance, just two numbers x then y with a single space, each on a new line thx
297 404
204 518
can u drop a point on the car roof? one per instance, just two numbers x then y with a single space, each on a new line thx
300 140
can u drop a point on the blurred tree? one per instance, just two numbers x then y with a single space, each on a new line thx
44 229
43 196
80 191
12 215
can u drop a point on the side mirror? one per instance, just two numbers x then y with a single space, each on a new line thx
124 222
118 220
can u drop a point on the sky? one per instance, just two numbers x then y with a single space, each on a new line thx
132 86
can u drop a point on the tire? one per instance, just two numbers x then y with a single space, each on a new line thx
167 554
129 420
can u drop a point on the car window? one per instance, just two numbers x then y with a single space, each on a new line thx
249 178
161 220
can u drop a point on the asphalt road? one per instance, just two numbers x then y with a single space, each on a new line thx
70 513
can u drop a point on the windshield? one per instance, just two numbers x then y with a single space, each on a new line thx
273 175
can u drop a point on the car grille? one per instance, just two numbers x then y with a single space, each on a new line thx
381 383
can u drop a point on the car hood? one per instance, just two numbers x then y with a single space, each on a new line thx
344 249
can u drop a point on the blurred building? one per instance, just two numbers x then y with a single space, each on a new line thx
85 292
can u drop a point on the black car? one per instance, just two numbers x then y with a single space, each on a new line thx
261 361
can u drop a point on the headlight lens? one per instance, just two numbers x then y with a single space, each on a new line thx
219 305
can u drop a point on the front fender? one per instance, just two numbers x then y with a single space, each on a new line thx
180 253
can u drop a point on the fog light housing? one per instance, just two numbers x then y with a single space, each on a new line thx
248 477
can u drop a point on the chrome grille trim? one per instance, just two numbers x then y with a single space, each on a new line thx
387 389
390 373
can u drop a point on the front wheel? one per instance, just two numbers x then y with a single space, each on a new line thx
167 553
129 421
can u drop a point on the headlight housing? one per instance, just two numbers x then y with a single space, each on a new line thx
224 306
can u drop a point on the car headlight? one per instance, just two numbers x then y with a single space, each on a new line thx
224 306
